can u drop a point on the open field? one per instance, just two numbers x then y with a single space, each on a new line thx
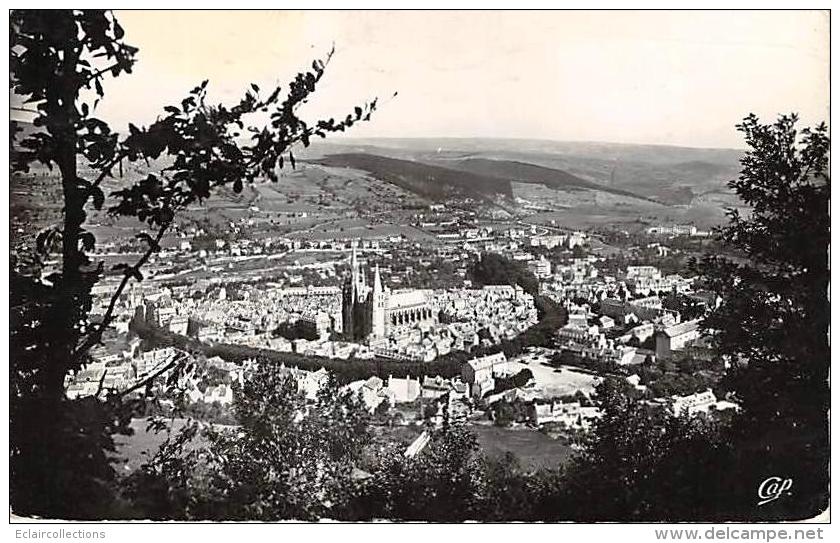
560 381
133 451
544 197
362 230
533 449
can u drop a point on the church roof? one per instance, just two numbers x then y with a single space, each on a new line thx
682 328
406 298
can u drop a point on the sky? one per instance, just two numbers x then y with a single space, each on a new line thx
657 77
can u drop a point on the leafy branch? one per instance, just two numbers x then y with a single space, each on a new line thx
178 359
129 272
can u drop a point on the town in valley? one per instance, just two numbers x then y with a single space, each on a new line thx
440 266
333 265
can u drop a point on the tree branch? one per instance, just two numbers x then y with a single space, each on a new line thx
101 72
96 335
101 384
106 170
181 357
25 110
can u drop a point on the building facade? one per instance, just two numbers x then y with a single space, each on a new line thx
676 338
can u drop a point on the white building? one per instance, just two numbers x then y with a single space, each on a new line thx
404 390
221 394
675 338
540 268
571 415
692 404
480 373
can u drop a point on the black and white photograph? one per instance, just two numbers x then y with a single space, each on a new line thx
447 266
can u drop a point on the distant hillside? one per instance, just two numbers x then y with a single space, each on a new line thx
667 174
434 182
508 148
522 172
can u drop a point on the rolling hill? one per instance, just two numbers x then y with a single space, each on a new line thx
669 174
473 177
521 172
429 181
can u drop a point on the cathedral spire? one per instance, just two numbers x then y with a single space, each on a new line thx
377 300
377 281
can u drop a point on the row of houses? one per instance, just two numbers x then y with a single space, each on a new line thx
699 402
570 415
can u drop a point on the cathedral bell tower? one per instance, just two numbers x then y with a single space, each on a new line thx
349 296
378 302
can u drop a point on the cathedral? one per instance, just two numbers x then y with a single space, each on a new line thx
372 312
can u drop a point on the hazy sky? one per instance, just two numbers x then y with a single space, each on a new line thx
646 77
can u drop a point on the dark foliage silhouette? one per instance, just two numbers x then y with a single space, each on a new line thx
773 323
59 60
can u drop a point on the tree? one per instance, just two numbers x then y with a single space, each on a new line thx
287 458
495 269
773 322
772 327
443 483
506 493
504 413
59 60
641 463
